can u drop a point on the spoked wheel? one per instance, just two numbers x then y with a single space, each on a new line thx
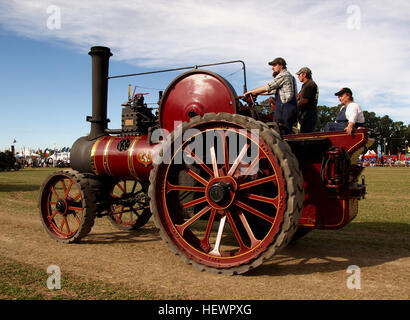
130 205
67 205
226 192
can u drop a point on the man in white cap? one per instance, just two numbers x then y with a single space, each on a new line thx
350 115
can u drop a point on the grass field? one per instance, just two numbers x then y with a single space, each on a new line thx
24 281
383 224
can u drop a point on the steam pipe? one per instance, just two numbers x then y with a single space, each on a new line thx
100 60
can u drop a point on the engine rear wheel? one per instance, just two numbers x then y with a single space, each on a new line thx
67 205
226 192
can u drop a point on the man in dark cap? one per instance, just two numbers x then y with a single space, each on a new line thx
285 89
350 115
307 101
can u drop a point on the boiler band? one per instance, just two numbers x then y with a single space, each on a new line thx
127 157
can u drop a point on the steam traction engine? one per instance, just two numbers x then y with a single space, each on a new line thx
226 190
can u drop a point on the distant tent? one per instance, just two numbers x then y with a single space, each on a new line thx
370 154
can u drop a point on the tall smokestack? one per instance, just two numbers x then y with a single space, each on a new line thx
100 57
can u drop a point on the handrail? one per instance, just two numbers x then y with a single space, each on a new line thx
185 68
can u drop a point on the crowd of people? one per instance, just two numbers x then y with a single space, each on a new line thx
12 160
386 161
292 107
32 162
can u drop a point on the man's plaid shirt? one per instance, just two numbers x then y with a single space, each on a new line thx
286 83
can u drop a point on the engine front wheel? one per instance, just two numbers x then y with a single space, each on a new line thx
67 205
226 192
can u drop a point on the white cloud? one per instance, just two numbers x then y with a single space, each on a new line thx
373 60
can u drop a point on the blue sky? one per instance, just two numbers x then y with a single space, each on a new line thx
46 80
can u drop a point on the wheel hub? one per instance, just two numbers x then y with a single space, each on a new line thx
61 206
221 192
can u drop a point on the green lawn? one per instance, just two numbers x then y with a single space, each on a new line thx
23 281
387 203
383 221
